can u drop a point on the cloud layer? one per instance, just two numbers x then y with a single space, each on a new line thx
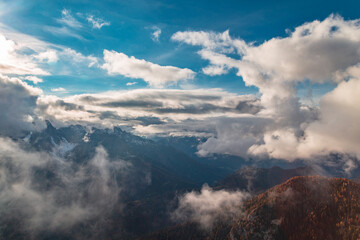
151 111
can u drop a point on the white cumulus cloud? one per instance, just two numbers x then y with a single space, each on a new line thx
325 51
153 74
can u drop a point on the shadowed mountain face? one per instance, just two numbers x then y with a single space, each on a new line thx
76 144
301 208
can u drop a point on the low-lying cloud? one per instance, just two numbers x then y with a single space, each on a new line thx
45 192
208 206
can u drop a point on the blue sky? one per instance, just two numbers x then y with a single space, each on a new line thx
131 23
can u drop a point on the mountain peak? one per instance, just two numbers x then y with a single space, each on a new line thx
49 125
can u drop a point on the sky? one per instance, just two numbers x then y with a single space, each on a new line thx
276 79
143 29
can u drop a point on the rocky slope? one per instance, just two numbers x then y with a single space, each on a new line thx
301 208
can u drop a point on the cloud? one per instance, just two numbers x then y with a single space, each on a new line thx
179 111
337 129
65 105
69 25
48 193
33 79
48 56
208 206
18 103
59 89
97 23
235 136
68 19
318 52
23 54
25 41
13 62
155 36
283 60
153 74
215 46
79 62
212 41
62 31
131 83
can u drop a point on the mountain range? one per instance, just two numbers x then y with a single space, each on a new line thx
158 173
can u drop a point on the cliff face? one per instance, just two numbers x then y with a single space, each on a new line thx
300 208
